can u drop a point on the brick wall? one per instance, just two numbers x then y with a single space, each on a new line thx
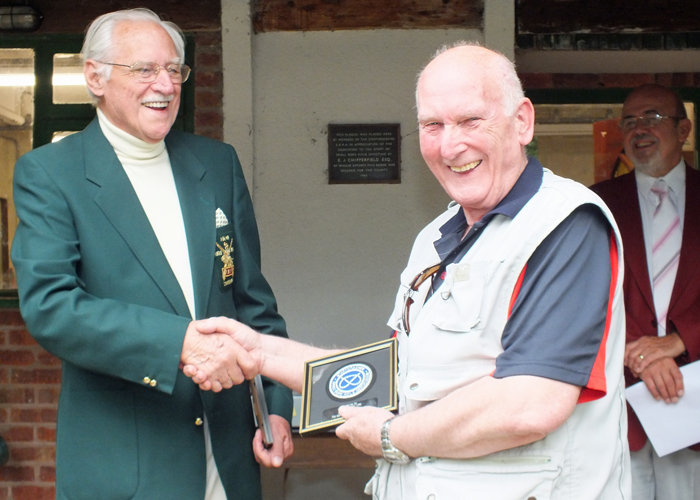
208 100
29 387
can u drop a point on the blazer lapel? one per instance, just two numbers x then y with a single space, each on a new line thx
198 206
629 220
688 264
120 204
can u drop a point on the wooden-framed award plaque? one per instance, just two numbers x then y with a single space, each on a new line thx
364 376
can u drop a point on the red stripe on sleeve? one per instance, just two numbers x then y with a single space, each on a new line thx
516 290
596 387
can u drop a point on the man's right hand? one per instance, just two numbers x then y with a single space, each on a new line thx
275 357
214 360
664 380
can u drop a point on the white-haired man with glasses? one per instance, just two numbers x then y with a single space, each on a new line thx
657 207
509 316
129 231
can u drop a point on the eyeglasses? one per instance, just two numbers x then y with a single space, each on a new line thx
649 120
147 72
422 277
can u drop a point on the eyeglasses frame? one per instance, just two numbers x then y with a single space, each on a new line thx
157 70
656 117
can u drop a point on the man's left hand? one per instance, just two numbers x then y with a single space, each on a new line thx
363 427
282 445
645 350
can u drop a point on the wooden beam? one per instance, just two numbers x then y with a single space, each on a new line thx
325 15
325 450
73 17
604 16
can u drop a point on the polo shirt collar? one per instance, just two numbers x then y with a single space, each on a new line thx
675 179
523 190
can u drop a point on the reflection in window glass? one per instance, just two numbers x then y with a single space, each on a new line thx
68 81
584 141
16 123
564 137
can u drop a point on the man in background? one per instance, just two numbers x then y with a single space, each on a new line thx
128 232
657 207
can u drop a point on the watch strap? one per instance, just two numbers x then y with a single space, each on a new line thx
391 452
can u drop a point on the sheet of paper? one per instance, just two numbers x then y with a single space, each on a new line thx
670 427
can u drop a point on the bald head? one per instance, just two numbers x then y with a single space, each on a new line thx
474 123
661 93
475 65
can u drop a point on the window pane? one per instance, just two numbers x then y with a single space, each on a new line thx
68 81
565 137
16 122
584 141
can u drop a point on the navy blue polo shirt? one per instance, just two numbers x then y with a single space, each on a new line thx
557 322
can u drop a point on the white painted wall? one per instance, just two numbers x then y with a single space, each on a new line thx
333 253
499 26
236 58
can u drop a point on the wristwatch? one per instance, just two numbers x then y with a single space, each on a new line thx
391 452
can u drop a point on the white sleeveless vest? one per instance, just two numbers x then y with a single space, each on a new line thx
455 339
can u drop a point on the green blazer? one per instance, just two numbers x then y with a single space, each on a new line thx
97 291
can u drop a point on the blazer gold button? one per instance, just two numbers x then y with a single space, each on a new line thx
153 383
198 421
146 380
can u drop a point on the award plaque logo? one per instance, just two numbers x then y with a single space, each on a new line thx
350 381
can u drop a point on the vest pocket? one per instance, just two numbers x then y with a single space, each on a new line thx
484 479
457 303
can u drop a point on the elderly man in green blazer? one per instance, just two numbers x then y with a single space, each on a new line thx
128 233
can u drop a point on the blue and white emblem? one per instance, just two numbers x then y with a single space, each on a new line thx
350 381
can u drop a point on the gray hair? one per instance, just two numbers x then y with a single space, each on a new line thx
510 86
99 45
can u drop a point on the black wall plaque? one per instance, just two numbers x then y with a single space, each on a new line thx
364 154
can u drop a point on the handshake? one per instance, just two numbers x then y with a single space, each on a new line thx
218 353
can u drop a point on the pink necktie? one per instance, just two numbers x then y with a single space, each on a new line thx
666 251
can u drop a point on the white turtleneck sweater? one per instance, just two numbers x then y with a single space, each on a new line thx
149 170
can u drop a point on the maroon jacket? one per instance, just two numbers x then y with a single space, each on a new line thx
620 194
